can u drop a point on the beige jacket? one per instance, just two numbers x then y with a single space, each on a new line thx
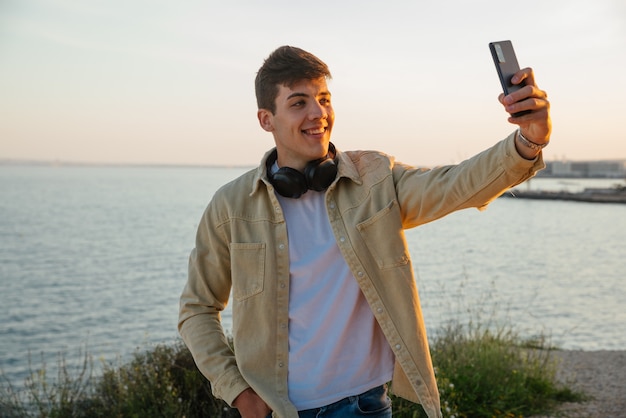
241 246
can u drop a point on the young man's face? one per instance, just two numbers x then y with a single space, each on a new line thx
302 123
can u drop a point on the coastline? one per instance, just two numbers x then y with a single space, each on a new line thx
590 195
600 375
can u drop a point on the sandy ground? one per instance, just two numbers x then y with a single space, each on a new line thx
599 374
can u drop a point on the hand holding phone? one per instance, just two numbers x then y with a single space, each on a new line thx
506 65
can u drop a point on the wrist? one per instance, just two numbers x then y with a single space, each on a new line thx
528 143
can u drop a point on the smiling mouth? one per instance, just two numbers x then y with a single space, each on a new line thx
315 131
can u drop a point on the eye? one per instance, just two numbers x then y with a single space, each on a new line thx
325 101
299 103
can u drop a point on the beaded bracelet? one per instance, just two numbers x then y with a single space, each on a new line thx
528 143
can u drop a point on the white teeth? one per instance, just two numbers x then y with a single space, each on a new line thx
314 131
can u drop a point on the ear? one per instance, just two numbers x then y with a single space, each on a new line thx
266 119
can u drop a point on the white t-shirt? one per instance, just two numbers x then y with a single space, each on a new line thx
336 347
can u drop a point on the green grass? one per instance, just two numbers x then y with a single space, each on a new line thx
487 373
163 382
480 373
493 373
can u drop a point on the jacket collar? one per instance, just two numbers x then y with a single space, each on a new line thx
346 168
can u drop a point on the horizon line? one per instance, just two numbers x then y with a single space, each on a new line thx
27 161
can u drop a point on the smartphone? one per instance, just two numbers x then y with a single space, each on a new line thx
506 65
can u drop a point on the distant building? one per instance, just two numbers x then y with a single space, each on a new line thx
585 169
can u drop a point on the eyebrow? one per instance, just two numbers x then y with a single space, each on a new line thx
297 94
292 95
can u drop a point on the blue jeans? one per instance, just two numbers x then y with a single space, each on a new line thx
373 404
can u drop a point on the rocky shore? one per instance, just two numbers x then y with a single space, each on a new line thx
601 375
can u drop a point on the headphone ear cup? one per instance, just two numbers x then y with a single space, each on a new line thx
319 174
289 182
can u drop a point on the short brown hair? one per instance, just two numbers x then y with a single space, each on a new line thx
287 65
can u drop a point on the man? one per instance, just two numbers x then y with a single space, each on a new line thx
311 247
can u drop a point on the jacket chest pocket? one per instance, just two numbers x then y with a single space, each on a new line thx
247 261
383 236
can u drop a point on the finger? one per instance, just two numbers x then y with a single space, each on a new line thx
525 74
535 103
531 103
538 109
525 92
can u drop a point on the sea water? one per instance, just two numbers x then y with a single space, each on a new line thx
93 258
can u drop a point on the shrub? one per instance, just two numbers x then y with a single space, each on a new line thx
480 373
163 382
492 373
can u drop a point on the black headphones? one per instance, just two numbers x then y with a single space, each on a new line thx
318 175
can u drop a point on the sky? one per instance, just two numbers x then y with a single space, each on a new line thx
165 82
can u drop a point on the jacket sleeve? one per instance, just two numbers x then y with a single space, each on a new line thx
427 195
204 297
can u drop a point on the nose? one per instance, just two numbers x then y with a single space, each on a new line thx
318 112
